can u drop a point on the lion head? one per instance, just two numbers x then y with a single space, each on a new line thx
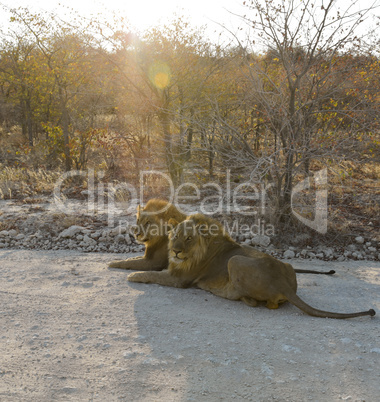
152 220
193 240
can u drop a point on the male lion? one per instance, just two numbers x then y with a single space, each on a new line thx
152 230
201 254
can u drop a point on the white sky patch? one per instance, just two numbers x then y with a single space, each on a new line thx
145 13
216 15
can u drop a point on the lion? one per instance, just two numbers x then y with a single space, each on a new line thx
203 255
152 231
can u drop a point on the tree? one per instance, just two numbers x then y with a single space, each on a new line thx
163 76
59 69
19 72
299 86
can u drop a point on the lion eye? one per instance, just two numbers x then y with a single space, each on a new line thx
189 238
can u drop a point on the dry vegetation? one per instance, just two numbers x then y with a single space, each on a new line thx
302 96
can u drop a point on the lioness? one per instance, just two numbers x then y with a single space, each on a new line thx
201 254
152 231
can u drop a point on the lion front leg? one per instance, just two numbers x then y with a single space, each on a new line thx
163 278
136 263
124 264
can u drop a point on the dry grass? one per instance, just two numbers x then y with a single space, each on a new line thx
21 183
354 200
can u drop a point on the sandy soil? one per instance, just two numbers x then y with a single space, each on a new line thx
73 330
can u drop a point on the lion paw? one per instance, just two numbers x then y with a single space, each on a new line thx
136 277
271 304
114 264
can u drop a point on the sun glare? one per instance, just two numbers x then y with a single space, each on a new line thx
159 75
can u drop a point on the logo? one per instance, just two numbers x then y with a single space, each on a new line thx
247 199
319 223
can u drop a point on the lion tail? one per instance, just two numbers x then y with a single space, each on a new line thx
298 302
309 271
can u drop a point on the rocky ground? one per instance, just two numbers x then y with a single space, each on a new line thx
40 225
73 330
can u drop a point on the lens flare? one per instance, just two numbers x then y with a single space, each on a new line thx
159 74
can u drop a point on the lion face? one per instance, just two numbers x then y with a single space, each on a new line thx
188 241
142 230
149 227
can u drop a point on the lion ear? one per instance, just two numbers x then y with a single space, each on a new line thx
172 222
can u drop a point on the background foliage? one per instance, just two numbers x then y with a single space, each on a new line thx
301 95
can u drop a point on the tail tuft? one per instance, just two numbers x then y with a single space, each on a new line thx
332 272
372 312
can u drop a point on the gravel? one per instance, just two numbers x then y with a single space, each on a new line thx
41 227
73 330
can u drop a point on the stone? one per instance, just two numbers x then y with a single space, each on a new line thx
122 230
106 233
114 232
88 241
359 239
289 254
71 231
303 253
119 238
128 239
328 252
261 240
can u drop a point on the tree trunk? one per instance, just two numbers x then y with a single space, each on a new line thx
65 129
29 122
189 139
174 169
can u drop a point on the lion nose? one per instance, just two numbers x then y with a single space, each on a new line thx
176 252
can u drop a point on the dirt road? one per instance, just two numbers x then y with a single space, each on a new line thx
73 330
